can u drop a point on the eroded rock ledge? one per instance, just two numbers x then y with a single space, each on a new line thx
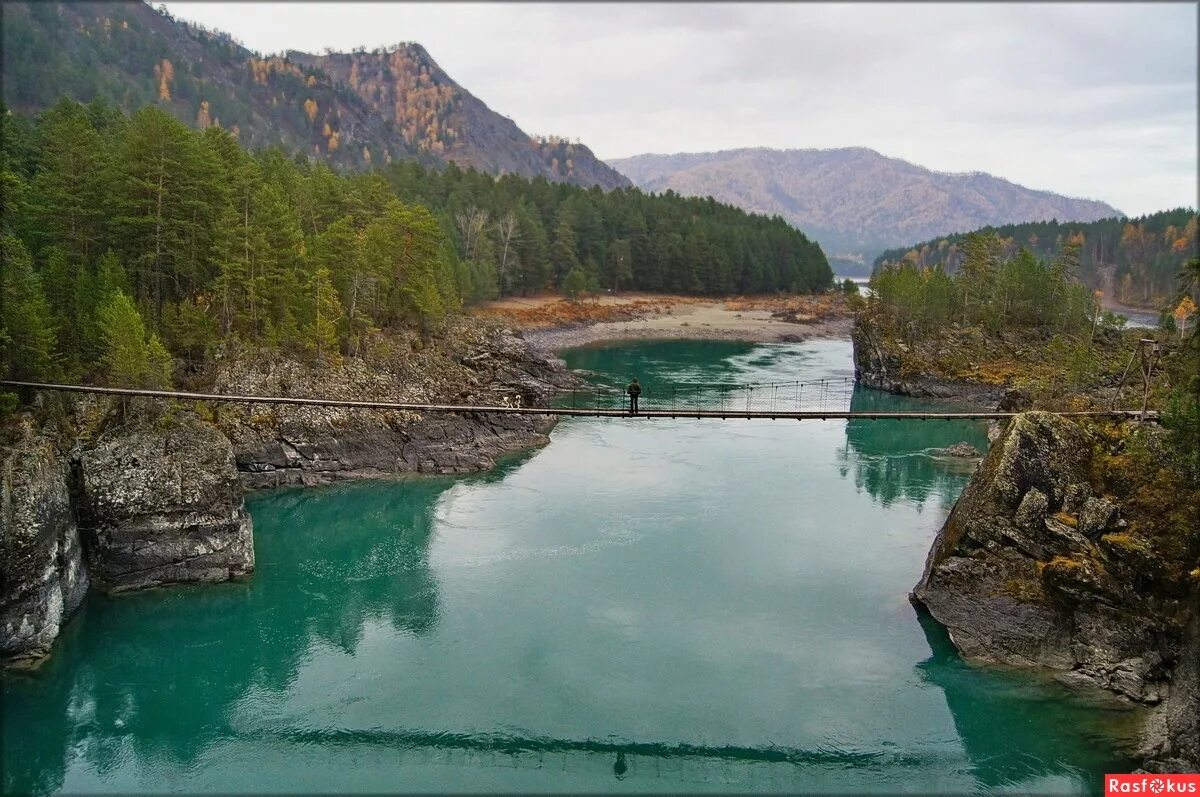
280 445
884 366
1037 566
163 507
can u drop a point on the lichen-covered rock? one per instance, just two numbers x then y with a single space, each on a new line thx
472 364
887 365
42 577
162 506
1033 568
1016 576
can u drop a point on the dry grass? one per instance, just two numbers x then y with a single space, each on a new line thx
548 311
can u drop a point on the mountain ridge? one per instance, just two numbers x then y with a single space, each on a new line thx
130 54
855 200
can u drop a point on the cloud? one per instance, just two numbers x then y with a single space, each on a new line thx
1093 99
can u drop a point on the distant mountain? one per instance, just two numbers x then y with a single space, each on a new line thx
436 115
354 109
854 202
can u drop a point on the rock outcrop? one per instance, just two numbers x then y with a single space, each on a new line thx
1037 566
42 577
883 365
285 445
963 450
160 501
163 506
1171 742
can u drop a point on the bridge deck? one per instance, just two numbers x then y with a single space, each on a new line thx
587 412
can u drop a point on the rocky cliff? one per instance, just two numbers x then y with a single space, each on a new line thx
163 506
473 363
886 364
357 110
1075 548
42 577
158 500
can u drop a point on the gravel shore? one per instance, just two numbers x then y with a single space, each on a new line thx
691 321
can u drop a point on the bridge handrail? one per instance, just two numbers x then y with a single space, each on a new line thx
556 411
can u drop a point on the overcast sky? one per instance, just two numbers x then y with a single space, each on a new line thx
1094 100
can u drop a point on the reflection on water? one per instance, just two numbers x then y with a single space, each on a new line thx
642 605
894 459
1001 718
164 669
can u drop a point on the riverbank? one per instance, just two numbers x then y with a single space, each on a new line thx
1072 548
551 323
117 496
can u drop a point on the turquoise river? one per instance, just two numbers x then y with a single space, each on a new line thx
642 605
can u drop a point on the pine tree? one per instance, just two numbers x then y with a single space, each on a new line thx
562 253
67 193
157 182
130 357
575 283
324 316
26 321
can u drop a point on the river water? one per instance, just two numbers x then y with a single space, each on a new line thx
641 605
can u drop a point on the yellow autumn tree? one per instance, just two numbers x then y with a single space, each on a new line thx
1184 311
165 73
310 109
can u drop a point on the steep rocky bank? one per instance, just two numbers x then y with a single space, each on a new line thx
153 494
1074 547
143 504
475 363
42 576
885 365
162 506
1071 550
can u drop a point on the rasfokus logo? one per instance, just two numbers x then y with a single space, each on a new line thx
1151 784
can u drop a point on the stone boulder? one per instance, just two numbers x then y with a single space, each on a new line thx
161 506
42 577
963 450
1029 569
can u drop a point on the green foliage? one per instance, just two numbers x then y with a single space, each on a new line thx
27 332
575 283
990 291
152 241
849 287
529 234
131 356
1135 260
324 314
1181 418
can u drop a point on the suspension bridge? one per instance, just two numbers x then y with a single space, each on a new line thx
825 399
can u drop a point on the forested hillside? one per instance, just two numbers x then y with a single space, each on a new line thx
1134 261
855 202
368 110
134 244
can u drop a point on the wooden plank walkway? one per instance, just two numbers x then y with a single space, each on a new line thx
698 414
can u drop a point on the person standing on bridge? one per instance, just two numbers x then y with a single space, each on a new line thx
634 390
